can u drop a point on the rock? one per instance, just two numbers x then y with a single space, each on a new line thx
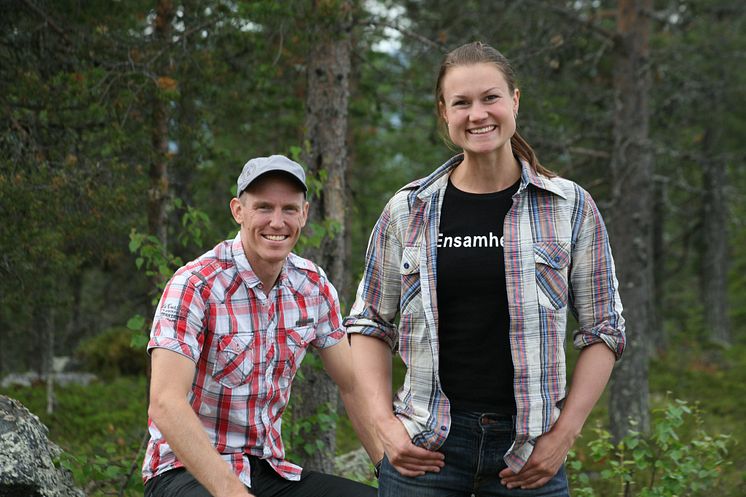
31 378
20 379
26 455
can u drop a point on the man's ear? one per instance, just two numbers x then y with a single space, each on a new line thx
236 210
306 207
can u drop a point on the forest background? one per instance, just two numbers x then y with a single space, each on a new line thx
125 124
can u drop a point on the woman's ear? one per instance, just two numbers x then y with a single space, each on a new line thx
516 101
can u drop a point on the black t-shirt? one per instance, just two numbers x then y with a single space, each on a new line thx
476 367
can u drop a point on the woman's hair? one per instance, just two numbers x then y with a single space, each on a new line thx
479 53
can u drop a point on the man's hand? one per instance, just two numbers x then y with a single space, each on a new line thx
407 458
548 455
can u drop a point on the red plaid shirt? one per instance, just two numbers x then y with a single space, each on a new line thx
247 348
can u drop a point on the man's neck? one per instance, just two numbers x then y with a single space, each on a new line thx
267 274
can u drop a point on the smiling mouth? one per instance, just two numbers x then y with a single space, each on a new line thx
482 130
275 238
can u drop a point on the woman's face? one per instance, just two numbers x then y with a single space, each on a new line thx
478 108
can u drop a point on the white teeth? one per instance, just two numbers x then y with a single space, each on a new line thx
479 131
275 238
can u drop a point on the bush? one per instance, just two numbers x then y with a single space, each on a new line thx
664 463
110 354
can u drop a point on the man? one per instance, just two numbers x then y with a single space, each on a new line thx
228 336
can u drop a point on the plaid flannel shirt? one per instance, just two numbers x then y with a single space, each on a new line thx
557 256
246 347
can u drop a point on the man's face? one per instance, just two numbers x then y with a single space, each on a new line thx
271 213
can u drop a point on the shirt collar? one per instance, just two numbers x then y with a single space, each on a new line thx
245 271
529 176
438 179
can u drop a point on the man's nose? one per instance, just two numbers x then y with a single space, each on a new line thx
276 218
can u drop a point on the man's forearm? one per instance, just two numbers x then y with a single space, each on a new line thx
184 433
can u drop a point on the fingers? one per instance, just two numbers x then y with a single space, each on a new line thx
407 458
531 476
416 461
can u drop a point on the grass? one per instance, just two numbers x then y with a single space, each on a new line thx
101 429
101 426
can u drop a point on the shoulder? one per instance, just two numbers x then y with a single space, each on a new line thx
308 278
306 267
565 192
205 269
563 187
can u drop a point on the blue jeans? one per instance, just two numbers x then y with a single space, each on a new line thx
474 453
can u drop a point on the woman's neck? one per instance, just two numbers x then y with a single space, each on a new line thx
486 173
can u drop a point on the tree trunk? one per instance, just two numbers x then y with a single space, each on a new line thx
328 73
632 205
158 192
715 235
658 341
49 359
159 189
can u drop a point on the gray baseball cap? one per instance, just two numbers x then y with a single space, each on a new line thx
261 165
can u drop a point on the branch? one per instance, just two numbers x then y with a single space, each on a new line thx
406 32
573 17
202 26
136 462
48 20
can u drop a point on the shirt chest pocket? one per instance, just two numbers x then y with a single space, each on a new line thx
409 270
552 260
297 341
233 359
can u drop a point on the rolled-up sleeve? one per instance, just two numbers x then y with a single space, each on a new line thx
594 289
377 301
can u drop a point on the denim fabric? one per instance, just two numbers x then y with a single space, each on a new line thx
474 453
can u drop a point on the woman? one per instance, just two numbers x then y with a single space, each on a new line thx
480 261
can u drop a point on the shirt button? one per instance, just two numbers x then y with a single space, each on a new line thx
406 265
444 428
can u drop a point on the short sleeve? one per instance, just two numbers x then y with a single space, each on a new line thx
178 321
329 329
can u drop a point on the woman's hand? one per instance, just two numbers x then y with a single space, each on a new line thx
548 455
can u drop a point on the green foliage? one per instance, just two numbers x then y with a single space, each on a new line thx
664 463
152 258
100 427
300 434
194 223
110 354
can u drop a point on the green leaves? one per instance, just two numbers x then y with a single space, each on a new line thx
676 458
